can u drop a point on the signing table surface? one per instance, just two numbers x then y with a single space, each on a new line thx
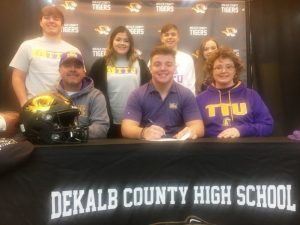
122 181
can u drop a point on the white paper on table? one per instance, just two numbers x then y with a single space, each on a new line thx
166 139
183 138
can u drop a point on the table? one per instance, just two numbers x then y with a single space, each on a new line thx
122 181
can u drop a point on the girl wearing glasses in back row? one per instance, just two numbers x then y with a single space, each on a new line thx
229 109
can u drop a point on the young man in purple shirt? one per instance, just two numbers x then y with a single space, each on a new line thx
162 107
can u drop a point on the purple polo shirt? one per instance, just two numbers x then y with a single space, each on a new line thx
146 107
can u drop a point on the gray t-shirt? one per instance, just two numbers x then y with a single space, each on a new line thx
121 81
39 59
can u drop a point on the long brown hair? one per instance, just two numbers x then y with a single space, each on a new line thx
110 54
200 63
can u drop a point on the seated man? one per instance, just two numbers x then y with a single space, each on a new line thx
80 88
8 121
230 109
162 107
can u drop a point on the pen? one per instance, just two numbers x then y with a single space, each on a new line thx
150 121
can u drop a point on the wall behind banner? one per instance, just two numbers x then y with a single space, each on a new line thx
89 24
19 21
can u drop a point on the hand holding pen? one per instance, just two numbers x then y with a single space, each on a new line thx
153 132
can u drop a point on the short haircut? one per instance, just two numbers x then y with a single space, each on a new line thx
168 27
162 50
225 53
52 10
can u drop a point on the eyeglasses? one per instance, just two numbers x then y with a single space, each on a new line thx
226 68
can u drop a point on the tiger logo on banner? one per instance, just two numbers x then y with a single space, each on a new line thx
69 5
230 31
200 8
134 7
103 29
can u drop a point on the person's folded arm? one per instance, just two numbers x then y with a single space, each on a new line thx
258 129
18 83
131 129
195 127
262 124
99 120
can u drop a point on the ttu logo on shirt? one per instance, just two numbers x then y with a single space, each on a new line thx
82 110
237 109
173 105
121 70
226 122
178 77
43 53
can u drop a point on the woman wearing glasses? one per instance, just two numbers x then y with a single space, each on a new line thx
229 109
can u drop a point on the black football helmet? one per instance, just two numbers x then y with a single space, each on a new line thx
51 118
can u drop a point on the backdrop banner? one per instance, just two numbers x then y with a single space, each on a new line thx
123 182
89 23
